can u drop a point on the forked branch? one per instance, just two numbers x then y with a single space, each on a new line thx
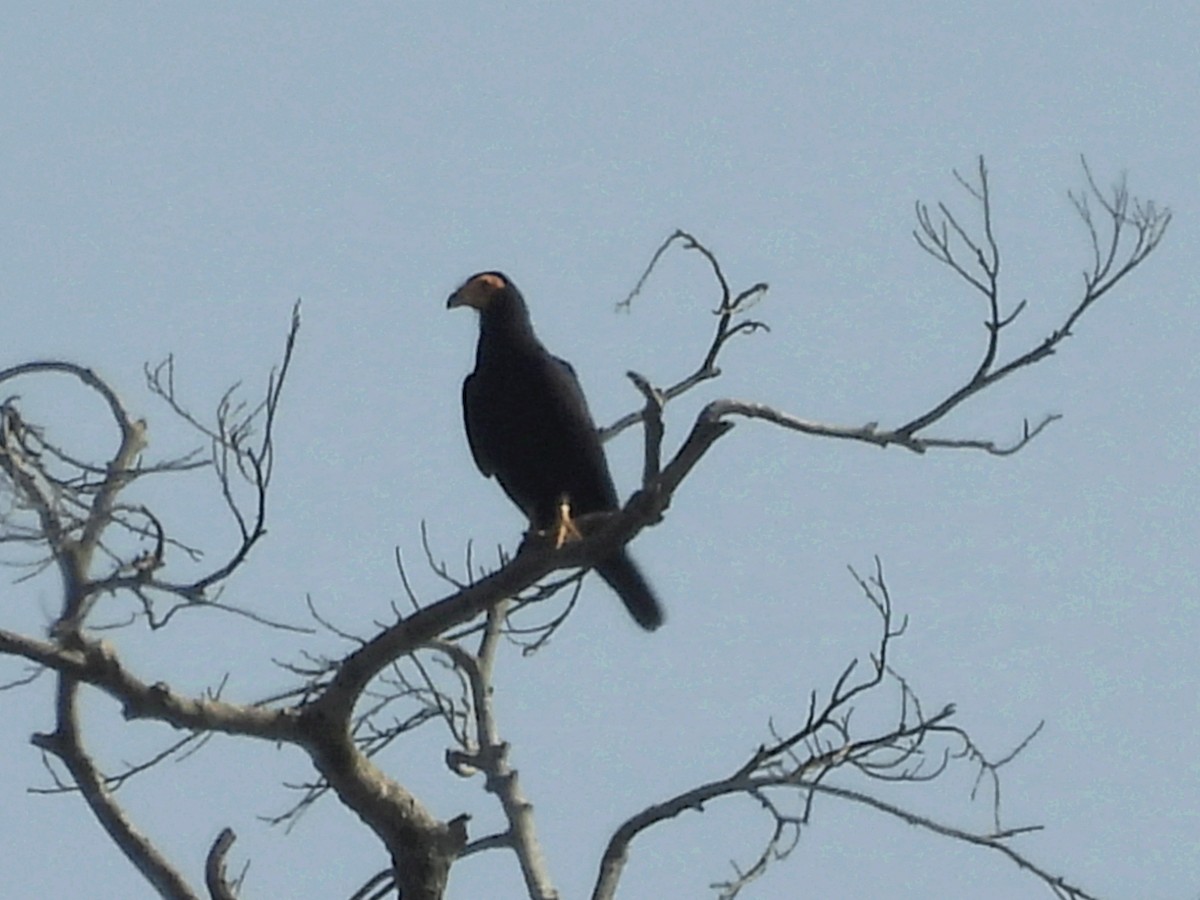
1130 231
730 308
1123 233
792 769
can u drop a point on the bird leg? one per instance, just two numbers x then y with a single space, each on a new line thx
565 528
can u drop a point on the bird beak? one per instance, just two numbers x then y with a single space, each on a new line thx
477 291
473 293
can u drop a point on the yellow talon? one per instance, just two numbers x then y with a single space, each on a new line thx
565 528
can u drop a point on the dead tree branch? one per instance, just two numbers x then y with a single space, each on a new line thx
1122 254
219 887
730 306
1127 232
916 747
69 513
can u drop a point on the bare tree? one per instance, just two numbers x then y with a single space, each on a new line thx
71 515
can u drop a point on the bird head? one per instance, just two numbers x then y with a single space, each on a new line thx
481 291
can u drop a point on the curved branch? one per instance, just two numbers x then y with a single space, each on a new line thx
802 764
218 886
75 556
83 374
729 307
806 782
66 744
422 847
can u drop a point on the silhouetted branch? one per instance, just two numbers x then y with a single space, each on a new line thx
66 744
728 308
652 417
800 765
232 449
1149 225
219 888
488 754
1131 231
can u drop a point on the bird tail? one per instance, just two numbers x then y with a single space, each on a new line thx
624 578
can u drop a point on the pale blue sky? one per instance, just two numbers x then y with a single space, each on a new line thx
173 177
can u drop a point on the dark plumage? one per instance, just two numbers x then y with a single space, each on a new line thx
528 425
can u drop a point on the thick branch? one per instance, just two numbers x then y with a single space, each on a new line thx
66 744
533 563
422 848
96 663
491 758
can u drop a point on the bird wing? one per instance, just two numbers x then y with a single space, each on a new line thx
587 439
528 425
473 409
573 388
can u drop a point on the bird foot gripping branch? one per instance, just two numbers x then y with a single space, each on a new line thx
565 528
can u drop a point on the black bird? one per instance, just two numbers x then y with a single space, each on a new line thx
528 425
